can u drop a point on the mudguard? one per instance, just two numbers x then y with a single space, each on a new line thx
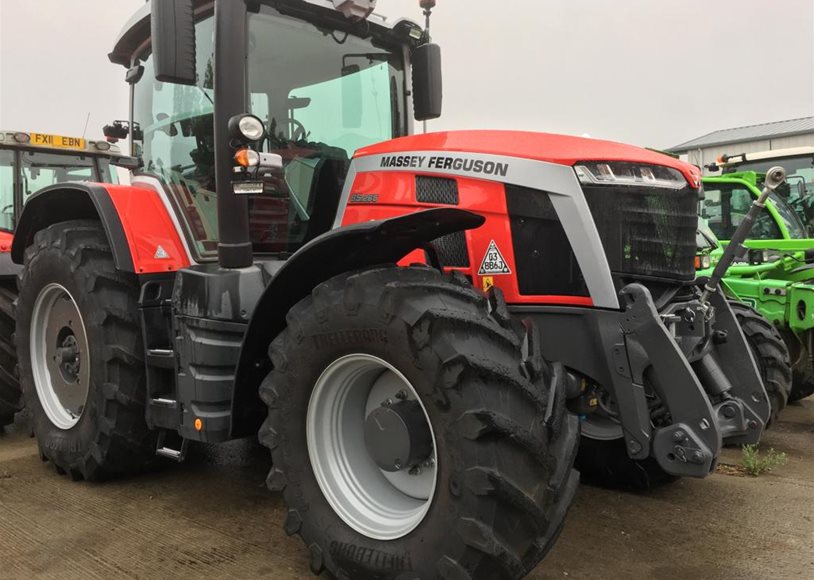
143 236
341 250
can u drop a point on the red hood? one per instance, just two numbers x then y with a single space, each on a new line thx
560 149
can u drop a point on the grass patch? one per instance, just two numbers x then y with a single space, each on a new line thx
755 462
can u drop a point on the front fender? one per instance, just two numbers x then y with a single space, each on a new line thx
142 235
341 250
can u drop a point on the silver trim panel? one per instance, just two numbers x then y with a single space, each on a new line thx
558 180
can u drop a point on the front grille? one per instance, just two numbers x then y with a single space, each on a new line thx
436 190
543 256
646 231
452 251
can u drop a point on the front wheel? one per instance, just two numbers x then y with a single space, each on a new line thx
415 432
10 395
770 352
81 354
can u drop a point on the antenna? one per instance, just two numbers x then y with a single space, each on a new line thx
85 130
427 5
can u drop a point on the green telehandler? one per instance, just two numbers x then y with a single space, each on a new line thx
774 276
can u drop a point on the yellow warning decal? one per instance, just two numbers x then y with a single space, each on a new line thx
488 282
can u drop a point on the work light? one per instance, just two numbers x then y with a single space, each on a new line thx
247 128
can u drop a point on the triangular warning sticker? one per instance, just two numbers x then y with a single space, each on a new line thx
161 254
493 262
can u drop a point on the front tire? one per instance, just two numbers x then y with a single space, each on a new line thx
501 477
10 395
771 355
81 354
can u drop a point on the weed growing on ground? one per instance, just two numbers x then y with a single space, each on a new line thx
755 463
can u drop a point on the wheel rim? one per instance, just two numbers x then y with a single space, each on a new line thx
380 504
59 356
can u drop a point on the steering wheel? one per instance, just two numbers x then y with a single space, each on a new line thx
299 132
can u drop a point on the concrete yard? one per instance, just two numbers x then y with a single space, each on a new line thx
213 518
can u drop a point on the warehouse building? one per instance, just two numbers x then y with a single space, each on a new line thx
767 136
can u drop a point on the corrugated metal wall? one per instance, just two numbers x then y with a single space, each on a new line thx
703 157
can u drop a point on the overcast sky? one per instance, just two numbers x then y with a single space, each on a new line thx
649 72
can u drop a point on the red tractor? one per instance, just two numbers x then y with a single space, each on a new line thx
29 162
384 320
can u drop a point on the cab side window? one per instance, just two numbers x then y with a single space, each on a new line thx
725 207
6 189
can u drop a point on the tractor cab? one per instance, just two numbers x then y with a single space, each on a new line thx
798 191
728 198
321 86
32 161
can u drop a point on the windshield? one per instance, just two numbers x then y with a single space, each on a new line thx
39 169
322 95
797 231
799 187
726 204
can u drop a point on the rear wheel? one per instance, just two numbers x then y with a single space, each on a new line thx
415 431
81 354
770 352
10 395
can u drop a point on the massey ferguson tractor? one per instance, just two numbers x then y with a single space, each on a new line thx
29 162
380 308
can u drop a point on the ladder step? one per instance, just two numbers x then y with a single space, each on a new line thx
161 358
163 450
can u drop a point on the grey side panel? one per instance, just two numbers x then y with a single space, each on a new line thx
558 180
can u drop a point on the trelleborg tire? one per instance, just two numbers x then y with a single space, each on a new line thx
770 352
10 395
499 479
81 354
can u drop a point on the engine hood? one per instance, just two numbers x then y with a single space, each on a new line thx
549 147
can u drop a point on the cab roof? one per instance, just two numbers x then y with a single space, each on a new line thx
56 143
137 30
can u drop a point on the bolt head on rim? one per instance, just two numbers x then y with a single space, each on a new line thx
381 497
59 356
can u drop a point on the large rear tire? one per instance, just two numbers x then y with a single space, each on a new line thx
10 395
770 352
81 354
499 477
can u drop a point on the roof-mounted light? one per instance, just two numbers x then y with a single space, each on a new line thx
22 137
629 174
355 9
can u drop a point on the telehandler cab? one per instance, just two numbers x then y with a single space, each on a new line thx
385 318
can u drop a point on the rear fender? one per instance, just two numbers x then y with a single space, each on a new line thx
341 250
142 235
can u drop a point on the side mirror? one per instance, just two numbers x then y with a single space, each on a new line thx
351 96
428 94
173 39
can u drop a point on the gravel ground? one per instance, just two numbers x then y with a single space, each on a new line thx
212 517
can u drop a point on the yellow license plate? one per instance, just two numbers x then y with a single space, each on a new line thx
44 140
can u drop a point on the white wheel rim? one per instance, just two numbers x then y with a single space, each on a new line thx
57 336
378 504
